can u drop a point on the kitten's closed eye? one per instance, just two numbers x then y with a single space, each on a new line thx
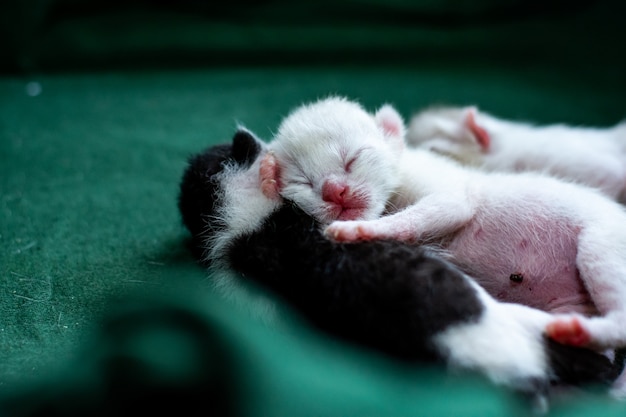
348 165
302 180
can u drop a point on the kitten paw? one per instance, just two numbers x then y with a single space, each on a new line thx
269 175
568 331
349 231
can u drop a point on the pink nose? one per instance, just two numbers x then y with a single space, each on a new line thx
335 192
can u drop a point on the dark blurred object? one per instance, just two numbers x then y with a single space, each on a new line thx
198 356
147 356
43 35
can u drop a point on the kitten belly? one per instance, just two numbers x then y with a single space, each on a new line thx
529 260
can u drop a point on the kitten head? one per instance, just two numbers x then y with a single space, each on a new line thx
337 161
219 194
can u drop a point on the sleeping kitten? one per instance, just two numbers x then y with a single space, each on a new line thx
395 298
591 156
526 238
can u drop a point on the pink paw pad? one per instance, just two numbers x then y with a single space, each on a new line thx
269 175
568 332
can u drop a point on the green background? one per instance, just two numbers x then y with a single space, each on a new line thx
101 103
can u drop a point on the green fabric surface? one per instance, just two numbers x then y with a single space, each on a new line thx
95 131
90 170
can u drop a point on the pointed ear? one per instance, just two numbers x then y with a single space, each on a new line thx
390 122
246 146
478 132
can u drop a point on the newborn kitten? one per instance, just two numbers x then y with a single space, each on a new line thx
396 298
591 156
525 238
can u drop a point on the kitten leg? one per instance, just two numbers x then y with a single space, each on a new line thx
435 215
603 332
600 261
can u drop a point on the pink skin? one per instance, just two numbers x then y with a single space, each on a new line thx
569 332
341 198
269 172
482 136
335 192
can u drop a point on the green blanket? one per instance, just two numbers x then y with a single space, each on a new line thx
98 288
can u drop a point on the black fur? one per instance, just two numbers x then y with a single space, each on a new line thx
382 294
245 148
197 193
198 188
385 295
577 366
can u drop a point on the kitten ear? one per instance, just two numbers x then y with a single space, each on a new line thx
478 132
269 175
246 146
390 122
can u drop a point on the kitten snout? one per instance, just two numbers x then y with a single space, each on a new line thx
346 204
336 192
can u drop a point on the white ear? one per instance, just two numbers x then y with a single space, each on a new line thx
479 133
389 120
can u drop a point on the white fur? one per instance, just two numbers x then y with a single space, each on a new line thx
243 209
506 344
315 139
590 156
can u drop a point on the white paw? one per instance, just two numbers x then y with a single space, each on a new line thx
350 231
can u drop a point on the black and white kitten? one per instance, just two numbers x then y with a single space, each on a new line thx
392 297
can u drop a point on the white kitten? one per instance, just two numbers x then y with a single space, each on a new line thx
526 238
591 156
